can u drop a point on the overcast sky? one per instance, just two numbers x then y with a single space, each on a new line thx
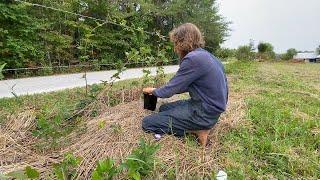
284 23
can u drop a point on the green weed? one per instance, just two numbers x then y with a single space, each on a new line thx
67 168
105 170
51 129
28 173
32 173
141 162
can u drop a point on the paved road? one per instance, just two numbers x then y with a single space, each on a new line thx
59 82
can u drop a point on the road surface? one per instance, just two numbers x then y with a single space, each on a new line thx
36 85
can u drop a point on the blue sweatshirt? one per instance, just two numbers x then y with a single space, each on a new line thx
203 73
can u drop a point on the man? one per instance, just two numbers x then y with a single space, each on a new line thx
202 75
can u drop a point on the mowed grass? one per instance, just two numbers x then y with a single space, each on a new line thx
281 138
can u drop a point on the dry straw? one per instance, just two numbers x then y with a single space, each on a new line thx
117 137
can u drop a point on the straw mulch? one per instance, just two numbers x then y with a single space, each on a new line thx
114 134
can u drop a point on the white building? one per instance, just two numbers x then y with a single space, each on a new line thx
307 57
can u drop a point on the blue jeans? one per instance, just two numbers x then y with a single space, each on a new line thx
178 118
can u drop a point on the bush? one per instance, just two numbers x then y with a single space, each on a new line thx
245 53
225 53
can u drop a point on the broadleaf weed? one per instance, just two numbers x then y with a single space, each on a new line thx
105 170
141 161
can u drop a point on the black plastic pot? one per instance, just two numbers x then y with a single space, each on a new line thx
150 101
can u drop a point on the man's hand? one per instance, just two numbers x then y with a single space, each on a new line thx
148 90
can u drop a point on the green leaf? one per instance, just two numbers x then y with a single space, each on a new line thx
101 124
96 176
141 161
136 176
31 173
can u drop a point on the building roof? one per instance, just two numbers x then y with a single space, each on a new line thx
306 55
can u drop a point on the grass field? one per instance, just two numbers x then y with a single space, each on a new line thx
271 130
281 136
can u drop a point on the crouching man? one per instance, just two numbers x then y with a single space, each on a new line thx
202 75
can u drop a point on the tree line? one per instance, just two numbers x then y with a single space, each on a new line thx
263 51
33 36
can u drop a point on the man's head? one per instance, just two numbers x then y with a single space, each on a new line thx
186 38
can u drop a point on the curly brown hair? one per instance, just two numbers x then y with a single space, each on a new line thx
186 38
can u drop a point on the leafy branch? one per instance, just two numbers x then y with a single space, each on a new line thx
1 69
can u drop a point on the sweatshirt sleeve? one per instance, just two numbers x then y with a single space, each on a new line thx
187 73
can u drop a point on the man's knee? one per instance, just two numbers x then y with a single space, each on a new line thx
147 123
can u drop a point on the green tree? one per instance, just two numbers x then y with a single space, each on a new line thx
33 36
289 54
18 37
263 47
204 14
266 51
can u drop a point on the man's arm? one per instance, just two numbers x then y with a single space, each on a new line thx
187 73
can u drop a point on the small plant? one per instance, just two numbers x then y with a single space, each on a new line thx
102 124
160 77
27 173
141 161
51 127
67 168
90 96
48 129
105 170
95 90
116 128
147 78
31 173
